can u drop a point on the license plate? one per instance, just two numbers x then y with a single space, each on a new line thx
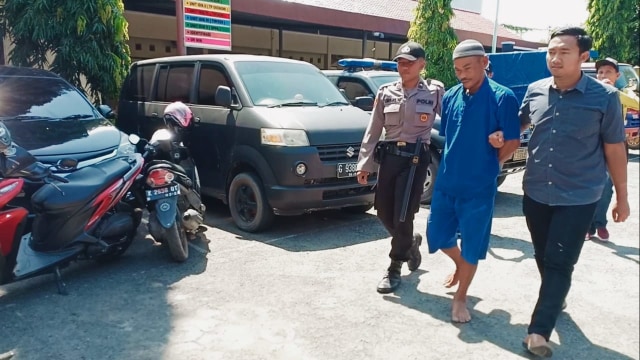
520 154
163 192
346 169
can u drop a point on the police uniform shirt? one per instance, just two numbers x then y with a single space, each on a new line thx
470 164
404 115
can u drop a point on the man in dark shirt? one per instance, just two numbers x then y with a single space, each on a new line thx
577 135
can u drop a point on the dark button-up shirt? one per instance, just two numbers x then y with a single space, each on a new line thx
566 164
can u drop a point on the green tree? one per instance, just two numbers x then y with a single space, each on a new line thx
431 28
73 38
614 28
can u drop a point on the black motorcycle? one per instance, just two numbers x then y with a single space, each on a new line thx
169 186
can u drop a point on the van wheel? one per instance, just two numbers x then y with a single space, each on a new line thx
248 204
359 209
432 172
500 180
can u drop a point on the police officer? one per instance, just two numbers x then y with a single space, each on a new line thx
406 110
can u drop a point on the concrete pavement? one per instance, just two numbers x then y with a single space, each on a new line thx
306 290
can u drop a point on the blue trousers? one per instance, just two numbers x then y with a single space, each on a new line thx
600 217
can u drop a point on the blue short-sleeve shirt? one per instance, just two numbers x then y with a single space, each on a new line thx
469 165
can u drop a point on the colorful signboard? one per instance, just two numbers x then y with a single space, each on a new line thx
207 24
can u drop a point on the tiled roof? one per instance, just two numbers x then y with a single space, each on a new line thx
404 10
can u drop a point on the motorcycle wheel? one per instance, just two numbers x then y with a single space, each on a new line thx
123 246
174 237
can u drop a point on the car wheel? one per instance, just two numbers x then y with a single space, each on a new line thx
501 179
432 172
248 204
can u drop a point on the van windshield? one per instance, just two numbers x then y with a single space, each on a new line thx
271 83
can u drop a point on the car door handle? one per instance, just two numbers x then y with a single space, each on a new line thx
154 115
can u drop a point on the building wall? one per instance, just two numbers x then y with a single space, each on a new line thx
152 36
468 5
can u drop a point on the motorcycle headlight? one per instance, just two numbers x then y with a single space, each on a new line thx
284 137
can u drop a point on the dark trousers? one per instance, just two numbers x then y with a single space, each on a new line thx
392 180
557 233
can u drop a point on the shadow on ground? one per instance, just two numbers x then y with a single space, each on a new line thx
329 229
510 249
507 205
496 326
625 252
117 319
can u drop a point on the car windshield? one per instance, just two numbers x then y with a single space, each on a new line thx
31 98
381 80
629 77
271 83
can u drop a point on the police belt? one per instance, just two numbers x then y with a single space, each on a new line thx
401 148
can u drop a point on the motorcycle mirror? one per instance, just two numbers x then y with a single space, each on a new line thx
134 139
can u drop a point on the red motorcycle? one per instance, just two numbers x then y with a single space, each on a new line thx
80 216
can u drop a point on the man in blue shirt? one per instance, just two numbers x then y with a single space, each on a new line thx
577 136
481 129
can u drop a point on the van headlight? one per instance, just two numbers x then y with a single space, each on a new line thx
284 137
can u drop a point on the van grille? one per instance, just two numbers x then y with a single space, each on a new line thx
339 152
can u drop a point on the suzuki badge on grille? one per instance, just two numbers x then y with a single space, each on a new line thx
351 151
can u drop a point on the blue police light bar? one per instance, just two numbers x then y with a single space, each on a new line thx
368 63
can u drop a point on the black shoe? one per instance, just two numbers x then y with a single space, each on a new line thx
391 279
415 258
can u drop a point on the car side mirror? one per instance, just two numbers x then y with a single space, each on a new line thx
223 96
105 110
364 102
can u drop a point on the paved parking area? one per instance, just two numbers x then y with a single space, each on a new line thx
306 290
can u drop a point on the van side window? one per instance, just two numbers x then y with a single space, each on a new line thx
353 88
174 83
138 86
210 79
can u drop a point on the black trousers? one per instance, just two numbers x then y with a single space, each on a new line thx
557 233
392 180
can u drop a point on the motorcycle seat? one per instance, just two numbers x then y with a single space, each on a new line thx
83 186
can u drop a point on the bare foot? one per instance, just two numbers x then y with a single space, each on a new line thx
459 312
537 345
451 280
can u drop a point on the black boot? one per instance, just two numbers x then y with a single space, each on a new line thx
415 258
391 278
